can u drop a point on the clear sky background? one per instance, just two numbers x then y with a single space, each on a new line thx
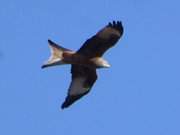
138 95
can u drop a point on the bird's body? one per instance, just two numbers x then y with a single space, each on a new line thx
77 59
85 61
60 57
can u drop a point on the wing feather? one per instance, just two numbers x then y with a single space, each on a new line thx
83 79
102 41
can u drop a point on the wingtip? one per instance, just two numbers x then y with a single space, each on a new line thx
117 25
64 105
114 23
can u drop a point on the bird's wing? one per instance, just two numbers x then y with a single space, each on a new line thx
83 79
102 41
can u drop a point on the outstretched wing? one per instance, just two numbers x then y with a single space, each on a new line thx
83 79
102 41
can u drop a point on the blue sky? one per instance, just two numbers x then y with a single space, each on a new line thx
138 95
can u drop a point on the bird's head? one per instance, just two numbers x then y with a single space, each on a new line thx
101 63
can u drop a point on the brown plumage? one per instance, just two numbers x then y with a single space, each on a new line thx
86 60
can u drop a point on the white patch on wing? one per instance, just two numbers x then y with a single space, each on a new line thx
76 86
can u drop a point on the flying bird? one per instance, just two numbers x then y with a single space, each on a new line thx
85 61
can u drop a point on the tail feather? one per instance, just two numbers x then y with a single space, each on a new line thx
51 43
56 55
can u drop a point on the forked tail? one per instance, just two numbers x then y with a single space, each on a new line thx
56 55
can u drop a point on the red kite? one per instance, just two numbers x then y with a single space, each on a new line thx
85 61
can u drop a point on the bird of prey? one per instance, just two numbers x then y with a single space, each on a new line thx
85 61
